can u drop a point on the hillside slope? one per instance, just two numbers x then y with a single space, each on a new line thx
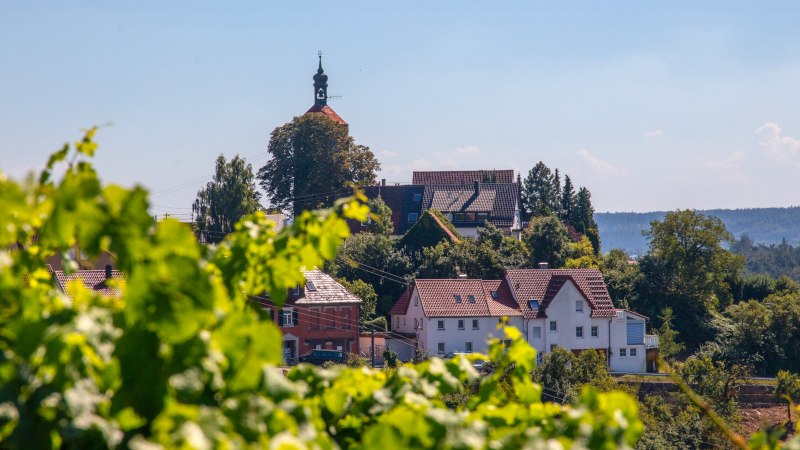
763 225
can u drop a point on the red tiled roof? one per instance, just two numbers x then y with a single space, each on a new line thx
401 305
544 284
504 304
437 297
461 176
92 279
328 112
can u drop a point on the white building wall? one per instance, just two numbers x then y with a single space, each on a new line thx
619 340
455 339
564 311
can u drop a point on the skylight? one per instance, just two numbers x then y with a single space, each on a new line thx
533 304
310 286
494 294
471 298
458 298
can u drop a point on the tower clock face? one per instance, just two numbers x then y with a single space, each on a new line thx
321 94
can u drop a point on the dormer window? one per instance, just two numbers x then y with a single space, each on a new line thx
471 298
494 294
533 304
310 286
457 298
296 290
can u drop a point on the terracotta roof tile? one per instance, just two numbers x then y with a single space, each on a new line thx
401 305
544 284
328 112
461 176
438 297
503 304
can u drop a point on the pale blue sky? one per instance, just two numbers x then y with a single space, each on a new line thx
651 106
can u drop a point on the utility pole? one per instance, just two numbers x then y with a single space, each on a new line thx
372 352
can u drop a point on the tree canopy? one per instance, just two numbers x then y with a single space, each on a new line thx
313 162
228 197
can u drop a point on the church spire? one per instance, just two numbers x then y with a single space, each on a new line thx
320 85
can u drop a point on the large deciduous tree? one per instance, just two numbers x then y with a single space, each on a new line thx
686 269
228 197
314 162
547 241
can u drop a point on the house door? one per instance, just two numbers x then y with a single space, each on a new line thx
290 351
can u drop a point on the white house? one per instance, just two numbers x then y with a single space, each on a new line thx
569 308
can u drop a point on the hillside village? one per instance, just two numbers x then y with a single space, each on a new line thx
460 264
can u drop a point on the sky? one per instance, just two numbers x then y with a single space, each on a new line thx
650 105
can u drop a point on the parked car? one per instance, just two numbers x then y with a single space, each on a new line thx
319 357
478 364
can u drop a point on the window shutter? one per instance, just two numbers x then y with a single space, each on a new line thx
272 315
295 316
280 319
635 333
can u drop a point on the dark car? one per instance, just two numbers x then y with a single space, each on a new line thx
321 356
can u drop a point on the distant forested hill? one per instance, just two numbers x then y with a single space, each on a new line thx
762 225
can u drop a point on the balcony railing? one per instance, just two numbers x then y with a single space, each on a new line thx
651 341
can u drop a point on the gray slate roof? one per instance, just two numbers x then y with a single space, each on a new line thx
498 199
327 290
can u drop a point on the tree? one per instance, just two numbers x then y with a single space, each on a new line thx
228 197
567 199
788 388
547 241
314 161
668 345
540 192
380 218
621 276
686 268
580 255
511 252
369 299
582 218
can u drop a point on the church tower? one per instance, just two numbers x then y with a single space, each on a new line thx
321 95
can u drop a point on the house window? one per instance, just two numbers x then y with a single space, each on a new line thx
415 323
579 332
287 318
440 348
471 298
579 306
404 320
457 298
474 324
553 326
417 198
416 300
296 290
440 325
398 322
412 217
420 324
494 294
633 352
595 332
310 286
315 319
460 324
622 352
468 347
536 333
553 347
318 347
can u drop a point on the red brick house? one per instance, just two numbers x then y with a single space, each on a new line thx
321 314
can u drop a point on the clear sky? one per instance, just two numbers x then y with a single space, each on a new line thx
651 105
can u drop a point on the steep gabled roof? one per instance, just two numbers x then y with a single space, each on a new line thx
326 290
92 279
500 299
544 284
462 176
401 305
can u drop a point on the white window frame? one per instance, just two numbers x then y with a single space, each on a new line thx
476 324
595 331
632 352
578 305
468 347
288 318
440 325
579 332
554 326
461 324
623 352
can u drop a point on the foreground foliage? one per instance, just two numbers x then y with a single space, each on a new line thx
181 361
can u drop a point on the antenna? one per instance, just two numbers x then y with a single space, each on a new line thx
333 96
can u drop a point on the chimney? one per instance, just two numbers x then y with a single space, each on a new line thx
383 181
477 185
108 271
544 265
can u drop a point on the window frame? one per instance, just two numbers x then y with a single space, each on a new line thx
440 325
623 352
595 331
461 324
632 352
579 332
554 326
476 324
468 347
578 305
412 217
440 348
